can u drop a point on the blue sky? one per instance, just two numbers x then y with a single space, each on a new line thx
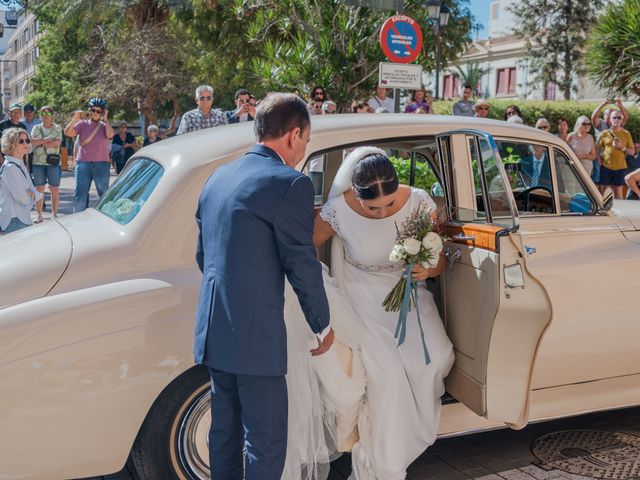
480 10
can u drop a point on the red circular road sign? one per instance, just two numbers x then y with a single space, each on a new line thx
401 39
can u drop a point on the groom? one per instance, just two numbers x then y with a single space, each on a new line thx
255 218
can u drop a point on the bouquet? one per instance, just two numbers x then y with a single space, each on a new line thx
417 241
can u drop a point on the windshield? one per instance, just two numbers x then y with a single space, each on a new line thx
129 193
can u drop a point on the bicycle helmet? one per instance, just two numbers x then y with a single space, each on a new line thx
97 102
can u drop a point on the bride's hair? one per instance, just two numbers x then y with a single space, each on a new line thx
374 176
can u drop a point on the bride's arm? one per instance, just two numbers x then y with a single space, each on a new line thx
322 232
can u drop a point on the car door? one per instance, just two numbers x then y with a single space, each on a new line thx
495 311
590 272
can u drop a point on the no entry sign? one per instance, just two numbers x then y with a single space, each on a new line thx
401 39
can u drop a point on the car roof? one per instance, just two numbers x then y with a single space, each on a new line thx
195 149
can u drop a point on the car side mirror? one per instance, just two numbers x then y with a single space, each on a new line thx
607 200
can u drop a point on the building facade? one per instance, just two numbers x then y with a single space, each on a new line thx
507 71
19 60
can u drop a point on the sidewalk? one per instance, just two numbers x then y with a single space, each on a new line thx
67 192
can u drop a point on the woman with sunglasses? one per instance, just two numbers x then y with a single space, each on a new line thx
582 143
92 160
17 193
47 138
511 111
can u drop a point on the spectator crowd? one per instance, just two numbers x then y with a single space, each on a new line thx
31 146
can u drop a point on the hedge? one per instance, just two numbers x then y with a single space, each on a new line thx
551 110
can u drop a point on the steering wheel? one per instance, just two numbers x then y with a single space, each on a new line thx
525 194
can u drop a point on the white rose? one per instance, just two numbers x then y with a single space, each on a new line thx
412 246
397 254
432 242
433 263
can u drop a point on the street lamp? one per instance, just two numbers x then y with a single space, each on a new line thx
439 15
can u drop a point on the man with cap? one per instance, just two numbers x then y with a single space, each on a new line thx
13 121
30 121
481 107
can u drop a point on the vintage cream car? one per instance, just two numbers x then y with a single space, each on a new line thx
97 309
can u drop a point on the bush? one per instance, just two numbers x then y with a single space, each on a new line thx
551 110
424 177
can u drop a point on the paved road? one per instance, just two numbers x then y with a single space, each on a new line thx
67 189
602 445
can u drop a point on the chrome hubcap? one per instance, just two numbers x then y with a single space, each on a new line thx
193 437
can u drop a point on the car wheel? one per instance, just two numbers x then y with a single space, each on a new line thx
173 440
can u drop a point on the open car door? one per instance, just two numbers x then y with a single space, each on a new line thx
494 310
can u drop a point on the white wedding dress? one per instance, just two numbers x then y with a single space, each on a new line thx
366 379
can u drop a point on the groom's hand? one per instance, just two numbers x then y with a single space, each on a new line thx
325 345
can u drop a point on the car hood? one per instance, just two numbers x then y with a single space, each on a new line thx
629 209
32 260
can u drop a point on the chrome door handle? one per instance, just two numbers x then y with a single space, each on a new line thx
466 238
452 258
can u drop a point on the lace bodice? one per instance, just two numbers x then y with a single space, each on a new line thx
368 241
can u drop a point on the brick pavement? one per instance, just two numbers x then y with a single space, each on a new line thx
496 455
503 454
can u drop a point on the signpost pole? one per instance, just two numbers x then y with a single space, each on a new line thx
396 91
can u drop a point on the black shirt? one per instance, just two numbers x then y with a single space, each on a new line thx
129 151
6 124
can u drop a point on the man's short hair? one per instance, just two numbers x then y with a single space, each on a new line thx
241 91
278 114
204 88
465 86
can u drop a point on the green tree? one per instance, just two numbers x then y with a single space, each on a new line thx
556 32
325 42
472 75
613 51
112 49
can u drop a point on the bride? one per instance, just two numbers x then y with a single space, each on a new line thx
366 395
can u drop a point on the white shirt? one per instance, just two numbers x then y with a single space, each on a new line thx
388 103
15 202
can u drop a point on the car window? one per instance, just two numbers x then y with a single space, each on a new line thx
415 162
574 197
528 167
131 190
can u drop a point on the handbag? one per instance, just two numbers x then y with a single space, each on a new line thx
53 159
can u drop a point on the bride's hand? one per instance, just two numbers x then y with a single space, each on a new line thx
422 273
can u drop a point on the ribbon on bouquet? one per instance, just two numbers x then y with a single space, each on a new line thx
410 293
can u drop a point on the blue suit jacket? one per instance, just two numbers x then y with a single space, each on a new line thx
255 217
527 169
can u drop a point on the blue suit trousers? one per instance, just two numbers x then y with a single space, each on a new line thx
247 411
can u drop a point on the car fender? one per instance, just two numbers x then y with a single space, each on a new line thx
80 371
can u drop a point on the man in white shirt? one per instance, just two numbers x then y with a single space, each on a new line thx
380 99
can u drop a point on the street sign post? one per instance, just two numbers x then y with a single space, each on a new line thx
400 75
401 39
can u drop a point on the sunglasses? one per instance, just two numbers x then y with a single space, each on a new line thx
616 118
242 100
510 112
95 110
544 127
46 113
318 93
482 108
22 141
208 99
586 124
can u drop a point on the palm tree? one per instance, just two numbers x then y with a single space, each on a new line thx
613 52
472 76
